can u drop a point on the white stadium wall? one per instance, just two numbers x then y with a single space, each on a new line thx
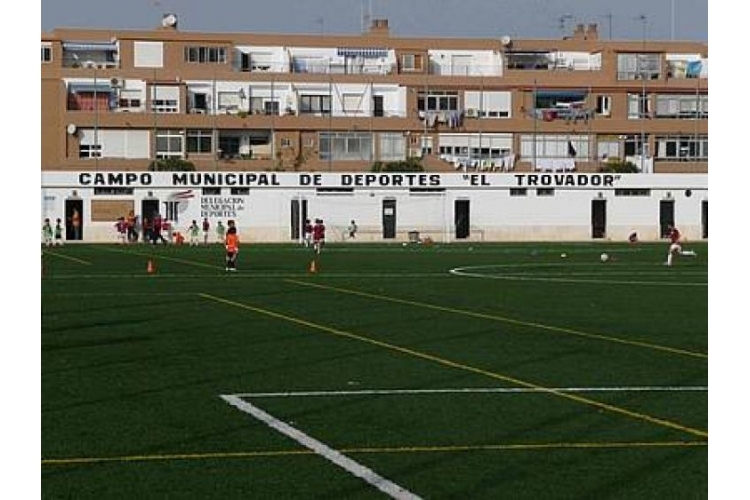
424 202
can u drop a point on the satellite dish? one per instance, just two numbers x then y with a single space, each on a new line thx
71 128
169 21
506 41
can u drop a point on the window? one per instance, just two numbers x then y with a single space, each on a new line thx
638 66
555 146
205 55
518 191
437 101
681 148
488 104
633 144
392 147
271 107
545 192
212 191
90 151
286 142
239 191
229 101
688 106
411 62
113 191
169 144
315 104
603 105
345 146
638 106
165 99
46 53
199 141
632 192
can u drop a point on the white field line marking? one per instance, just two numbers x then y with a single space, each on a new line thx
346 463
464 271
466 390
246 274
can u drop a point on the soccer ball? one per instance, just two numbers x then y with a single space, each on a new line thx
604 257
563 255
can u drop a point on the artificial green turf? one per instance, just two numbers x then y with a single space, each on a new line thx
133 366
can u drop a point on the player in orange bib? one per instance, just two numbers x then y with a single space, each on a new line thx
232 245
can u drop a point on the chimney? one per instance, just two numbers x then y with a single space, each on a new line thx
579 33
379 27
591 32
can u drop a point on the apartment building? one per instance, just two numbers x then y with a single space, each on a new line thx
116 101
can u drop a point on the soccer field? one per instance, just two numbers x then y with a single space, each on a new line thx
459 371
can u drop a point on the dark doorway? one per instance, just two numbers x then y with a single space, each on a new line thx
298 217
149 208
389 218
461 219
598 219
377 105
704 219
666 217
74 219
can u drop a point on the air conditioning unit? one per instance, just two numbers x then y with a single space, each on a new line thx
472 113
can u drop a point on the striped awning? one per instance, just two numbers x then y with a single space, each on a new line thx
90 46
370 53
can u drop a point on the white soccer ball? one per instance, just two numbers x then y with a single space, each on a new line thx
563 255
604 257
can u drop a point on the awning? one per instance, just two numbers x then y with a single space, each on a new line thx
574 94
90 46
78 88
370 53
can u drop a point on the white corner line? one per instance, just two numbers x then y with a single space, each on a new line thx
388 487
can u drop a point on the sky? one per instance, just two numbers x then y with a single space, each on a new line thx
664 19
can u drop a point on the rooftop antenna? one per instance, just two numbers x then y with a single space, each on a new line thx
609 16
366 14
561 20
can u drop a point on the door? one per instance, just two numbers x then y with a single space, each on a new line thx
598 219
149 208
389 218
377 105
704 219
74 219
461 218
298 216
666 217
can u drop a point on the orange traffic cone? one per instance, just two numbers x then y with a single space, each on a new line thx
150 268
313 268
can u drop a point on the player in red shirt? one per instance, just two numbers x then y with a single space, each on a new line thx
318 235
675 246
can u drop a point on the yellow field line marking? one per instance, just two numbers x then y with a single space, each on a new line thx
503 319
165 257
461 366
67 257
372 450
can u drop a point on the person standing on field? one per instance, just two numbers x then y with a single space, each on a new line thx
47 233
193 231
206 228
220 232
232 245
59 232
319 235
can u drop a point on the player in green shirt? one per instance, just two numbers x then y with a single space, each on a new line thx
220 230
